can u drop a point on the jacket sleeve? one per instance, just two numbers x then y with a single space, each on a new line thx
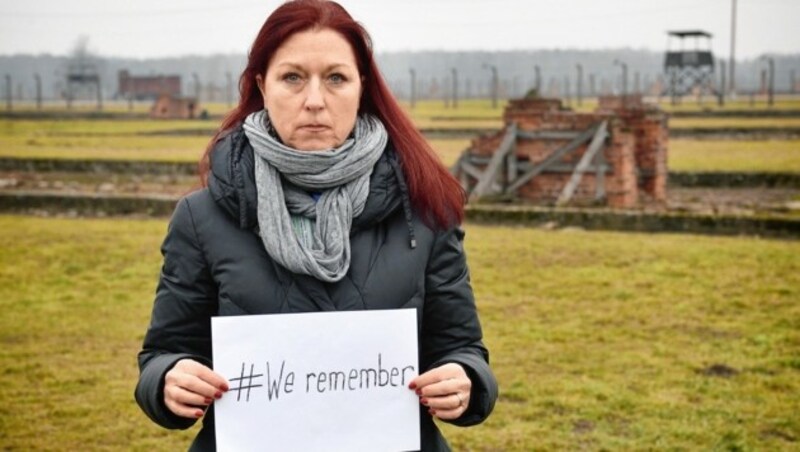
180 326
451 331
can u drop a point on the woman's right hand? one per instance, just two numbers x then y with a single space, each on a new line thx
190 387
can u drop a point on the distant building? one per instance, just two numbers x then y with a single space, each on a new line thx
148 87
173 107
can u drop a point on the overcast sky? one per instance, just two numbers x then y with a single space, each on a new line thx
158 28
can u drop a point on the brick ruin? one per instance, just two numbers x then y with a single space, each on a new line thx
147 86
170 107
615 156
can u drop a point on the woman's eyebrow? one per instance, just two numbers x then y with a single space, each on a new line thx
327 68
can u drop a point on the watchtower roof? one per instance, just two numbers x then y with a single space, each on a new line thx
689 33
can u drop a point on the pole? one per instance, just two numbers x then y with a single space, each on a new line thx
229 90
721 93
495 87
446 84
38 80
493 68
624 79
413 86
455 87
8 92
196 87
771 86
733 49
579 84
538 85
624 76
99 95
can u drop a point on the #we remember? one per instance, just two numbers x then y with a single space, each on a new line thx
279 379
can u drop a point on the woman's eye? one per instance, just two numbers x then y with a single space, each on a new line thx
292 78
336 78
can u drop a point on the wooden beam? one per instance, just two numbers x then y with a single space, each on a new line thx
600 168
486 182
472 170
524 165
454 170
511 168
464 179
553 158
597 142
548 134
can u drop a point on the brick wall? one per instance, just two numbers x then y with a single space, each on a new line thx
148 87
635 150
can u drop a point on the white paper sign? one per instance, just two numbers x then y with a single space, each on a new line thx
317 381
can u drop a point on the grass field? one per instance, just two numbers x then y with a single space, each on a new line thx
733 123
177 140
734 156
599 340
103 139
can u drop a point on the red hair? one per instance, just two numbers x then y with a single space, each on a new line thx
434 192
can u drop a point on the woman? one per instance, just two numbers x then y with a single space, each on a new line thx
320 196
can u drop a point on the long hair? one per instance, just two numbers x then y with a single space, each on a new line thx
434 192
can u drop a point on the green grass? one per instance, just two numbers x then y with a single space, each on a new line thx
734 155
599 340
449 150
709 104
743 123
123 140
741 103
103 139
141 139
113 106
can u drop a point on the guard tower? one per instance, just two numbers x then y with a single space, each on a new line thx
686 68
83 75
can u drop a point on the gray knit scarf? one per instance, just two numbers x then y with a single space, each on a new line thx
284 178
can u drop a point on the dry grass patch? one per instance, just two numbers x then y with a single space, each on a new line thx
734 155
599 340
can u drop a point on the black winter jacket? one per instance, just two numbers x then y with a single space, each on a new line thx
215 264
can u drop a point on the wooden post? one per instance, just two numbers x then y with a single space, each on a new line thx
486 182
583 164
600 177
552 159
511 169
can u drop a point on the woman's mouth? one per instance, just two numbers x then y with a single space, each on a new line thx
314 128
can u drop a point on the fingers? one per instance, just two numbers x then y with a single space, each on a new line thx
451 413
444 390
437 374
177 402
203 373
189 387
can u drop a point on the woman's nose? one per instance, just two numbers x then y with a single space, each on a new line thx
314 98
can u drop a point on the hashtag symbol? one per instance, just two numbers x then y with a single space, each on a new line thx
242 377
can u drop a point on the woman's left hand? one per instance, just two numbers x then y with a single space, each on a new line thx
444 390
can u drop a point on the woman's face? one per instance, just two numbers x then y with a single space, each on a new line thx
312 89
